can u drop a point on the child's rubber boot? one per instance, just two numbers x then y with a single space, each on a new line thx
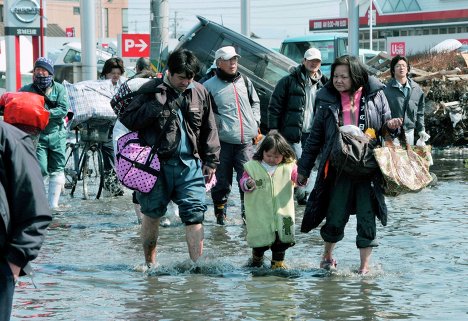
255 261
278 265
220 213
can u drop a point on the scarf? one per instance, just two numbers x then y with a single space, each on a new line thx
42 82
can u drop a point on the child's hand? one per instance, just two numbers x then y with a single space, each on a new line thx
250 183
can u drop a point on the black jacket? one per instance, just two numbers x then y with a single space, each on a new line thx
286 107
321 139
148 115
24 209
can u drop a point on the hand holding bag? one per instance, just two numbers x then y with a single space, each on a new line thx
403 170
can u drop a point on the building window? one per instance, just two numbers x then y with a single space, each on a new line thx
392 6
124 20
452 30
434 31
426 31
1 13
76 11
443 31
403 33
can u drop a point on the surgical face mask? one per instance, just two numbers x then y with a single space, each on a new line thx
43 82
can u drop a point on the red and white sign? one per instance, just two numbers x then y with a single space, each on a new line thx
398 48
70 31
135 45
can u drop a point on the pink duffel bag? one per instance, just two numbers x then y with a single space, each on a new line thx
137 166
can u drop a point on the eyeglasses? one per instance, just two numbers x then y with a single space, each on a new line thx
233 59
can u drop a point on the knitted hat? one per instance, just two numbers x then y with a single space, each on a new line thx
45 63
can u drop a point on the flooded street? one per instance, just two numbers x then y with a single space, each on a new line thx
91 266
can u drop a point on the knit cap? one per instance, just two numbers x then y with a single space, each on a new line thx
45 63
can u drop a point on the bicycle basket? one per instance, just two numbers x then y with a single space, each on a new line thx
95 131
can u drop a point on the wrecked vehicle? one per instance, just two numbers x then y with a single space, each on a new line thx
263 66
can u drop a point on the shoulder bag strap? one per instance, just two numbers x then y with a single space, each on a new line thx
246 82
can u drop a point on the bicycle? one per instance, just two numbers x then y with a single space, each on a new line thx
84 160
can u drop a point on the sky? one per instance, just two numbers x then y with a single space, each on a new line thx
268 18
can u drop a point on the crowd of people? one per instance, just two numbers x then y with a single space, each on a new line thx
213 134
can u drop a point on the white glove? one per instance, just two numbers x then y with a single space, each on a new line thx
423 138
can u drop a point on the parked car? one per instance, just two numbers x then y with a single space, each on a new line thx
67 63
263 66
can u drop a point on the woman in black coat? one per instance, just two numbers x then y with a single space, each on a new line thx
351 97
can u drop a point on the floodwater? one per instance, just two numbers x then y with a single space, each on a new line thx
91 266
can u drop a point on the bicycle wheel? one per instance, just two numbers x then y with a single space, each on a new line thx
71 167
92 172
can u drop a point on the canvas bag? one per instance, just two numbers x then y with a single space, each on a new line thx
403 170
89 99
25 108
137 164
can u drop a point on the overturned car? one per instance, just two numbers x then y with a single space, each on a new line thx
263 66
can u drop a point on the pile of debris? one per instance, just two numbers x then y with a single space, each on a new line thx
444 79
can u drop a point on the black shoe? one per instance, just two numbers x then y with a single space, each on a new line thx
303 200
112 185
220 213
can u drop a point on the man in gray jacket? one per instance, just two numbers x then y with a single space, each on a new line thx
234 101
24 211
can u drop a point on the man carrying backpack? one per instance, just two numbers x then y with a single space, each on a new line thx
234 100
178 121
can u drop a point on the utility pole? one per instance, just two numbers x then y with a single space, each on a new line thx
353 27
175 24
88 39
159 51
245 17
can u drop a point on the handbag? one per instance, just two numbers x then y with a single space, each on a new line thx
352 153
403 170
137 165
25 108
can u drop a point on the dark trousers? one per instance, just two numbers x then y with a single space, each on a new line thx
7 288
232 157
107 149
278 250
348 197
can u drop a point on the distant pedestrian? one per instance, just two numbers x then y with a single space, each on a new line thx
113 71
25 214
234 102
406 99
143 69
292 105
52 143
268 183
